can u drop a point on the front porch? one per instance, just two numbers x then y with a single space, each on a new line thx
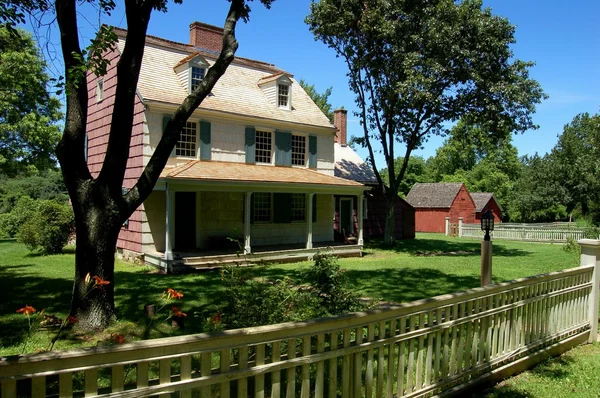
204 260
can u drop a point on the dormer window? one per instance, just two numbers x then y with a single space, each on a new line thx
283 94
278 89
191 71
100 90
197 75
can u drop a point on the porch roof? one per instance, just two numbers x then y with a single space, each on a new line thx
252 175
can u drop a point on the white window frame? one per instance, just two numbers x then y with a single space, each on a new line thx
100 89
300 198
191 74
179 141
305 164
271 133
265 194
287 106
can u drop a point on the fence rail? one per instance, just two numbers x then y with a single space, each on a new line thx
416 349
535 234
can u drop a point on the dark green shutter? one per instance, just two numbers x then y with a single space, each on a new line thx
250 145
205 146
165 121
312 152
314 203
283 150
282 208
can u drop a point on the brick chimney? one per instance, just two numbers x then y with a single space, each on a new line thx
206 36
340 118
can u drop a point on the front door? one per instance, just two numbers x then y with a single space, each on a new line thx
346 215
185 220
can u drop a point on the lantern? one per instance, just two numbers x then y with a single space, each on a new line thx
487 223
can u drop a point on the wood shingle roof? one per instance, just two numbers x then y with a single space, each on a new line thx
433 195
481 199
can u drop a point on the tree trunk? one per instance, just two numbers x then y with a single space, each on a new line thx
97 223
389 235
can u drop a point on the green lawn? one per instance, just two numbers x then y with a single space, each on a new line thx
427 266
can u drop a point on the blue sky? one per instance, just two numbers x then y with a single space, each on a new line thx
562 37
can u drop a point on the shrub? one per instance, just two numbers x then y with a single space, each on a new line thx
48 228
330 284
11 222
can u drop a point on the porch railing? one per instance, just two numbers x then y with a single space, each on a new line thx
421 348
537 234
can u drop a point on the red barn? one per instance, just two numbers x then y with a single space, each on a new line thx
433 202
484 201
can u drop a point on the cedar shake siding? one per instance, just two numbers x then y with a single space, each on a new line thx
98 129
434 202
484 201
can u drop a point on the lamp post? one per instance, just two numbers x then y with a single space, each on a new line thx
487 225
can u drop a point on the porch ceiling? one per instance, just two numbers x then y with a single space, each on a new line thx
248 176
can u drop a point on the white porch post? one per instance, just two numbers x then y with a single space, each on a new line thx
447 226
460 225
169 222
359 207
590 255
309 217
247 222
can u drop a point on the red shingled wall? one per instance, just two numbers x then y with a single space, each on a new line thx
494 208
98 127
434 219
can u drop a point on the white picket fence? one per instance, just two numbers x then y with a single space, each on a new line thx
532 234
432 346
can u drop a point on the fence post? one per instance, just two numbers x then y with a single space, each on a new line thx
447 226
590 255
460 223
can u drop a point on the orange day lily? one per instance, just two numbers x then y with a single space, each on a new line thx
71 320
177 312
27 310
117 338
216 318
99 282
174 294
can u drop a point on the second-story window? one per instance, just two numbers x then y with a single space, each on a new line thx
197 77
100 90
298 150
283 95
263 146
186 146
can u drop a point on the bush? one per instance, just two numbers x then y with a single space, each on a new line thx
48 228
11 222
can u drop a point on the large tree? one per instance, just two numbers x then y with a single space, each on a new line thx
28 113
416 65
98 203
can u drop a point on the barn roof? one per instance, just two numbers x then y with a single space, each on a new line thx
350 166
433 195
481 199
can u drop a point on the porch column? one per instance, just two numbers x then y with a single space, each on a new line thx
309 217
359 208
169 222
247 222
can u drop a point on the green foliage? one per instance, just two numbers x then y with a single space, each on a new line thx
572 246
48 185
322 100
48 227
10 222
28 113
329 283
416 171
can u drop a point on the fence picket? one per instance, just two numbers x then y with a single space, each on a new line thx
320 379
242 385
333 365
291 372
276 375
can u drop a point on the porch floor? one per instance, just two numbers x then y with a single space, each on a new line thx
212 259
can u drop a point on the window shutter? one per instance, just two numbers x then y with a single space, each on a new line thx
283 150
314 213
165 121
250 145
312 152
282 208
205 146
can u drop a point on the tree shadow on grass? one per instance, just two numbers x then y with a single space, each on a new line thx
439 247
502 391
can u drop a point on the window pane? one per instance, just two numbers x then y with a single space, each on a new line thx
283 95
298 150
262 207
298 207
186 146
197 76
263 147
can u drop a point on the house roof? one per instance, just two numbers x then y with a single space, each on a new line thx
481 199
433 195
236 92
235 172
350 166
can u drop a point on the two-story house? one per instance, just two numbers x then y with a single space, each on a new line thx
255 161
